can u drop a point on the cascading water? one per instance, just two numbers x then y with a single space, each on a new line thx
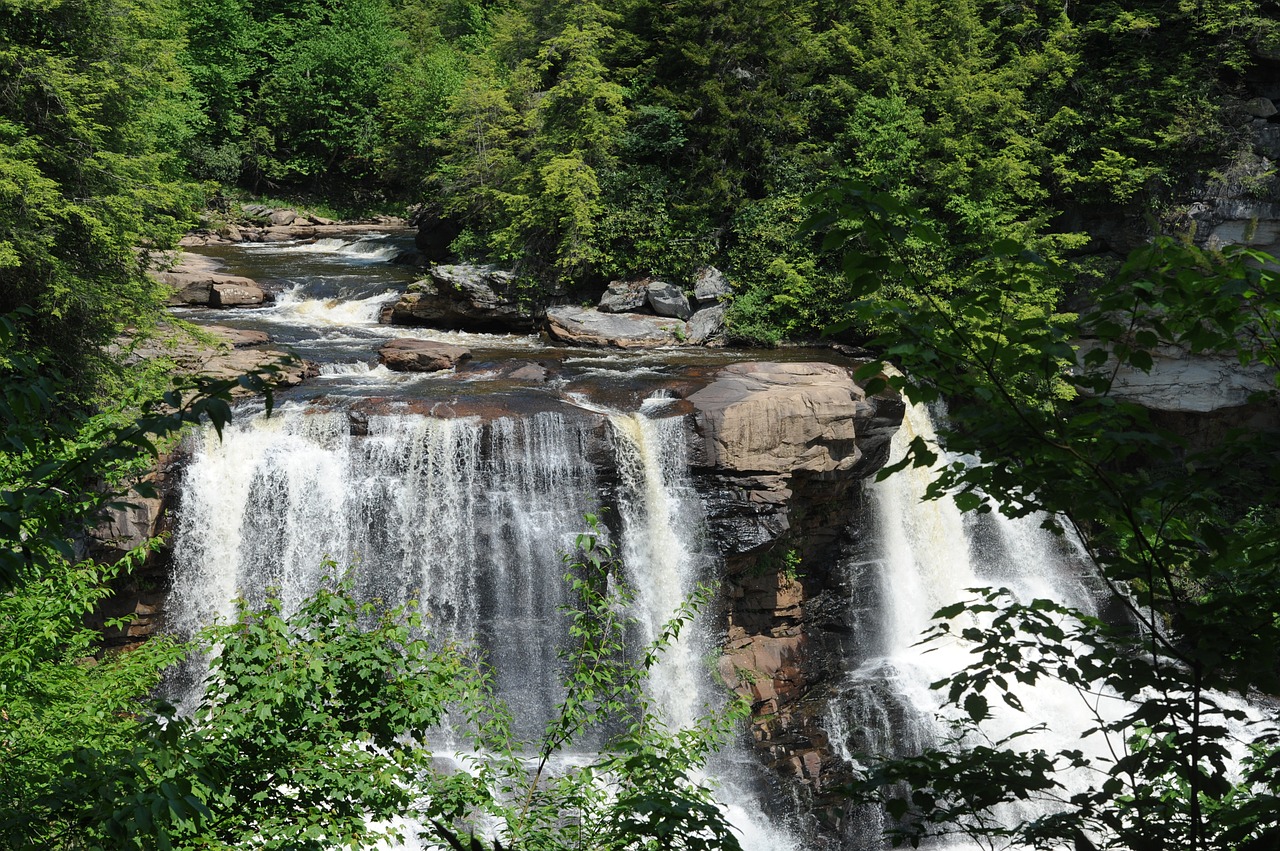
923 556
471 518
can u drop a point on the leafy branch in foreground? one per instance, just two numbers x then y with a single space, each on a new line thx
1184 535
340 724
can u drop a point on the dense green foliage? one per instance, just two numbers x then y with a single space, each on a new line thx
1185 536
92 107
578 142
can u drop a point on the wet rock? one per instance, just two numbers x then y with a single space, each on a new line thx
410 355
667 299
580 326
476 298
624 297
784 448
534 372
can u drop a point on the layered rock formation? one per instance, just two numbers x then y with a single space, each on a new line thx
197 283
784 448
409 355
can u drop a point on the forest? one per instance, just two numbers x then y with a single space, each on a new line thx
961 186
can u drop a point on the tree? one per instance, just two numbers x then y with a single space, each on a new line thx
1183 535
90 112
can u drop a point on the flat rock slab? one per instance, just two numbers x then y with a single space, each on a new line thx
238 338
584 326
408 355
195 284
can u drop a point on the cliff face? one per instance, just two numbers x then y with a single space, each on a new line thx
784 449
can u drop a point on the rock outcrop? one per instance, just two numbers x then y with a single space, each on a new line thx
474 298
230 354
1185 382
408 355
196 283
784 448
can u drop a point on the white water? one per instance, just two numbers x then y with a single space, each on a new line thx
926 555
471 520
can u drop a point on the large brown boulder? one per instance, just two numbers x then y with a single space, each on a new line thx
780 418
408 355
196 283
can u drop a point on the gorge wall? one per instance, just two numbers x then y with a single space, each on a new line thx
776 452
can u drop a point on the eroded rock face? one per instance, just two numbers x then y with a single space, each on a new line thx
1184 382
784 449
580 326
475 298
409 355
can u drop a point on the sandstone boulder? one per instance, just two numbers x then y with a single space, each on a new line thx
477 298
780 418
410 355
200 288
579 326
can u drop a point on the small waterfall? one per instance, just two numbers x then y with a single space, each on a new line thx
923 556
661 521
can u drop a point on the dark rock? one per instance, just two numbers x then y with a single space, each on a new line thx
668 300
435 235
624 296
408 355
580 326
711 286
477 298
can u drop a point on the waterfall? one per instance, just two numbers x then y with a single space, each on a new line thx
469 518
922 556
